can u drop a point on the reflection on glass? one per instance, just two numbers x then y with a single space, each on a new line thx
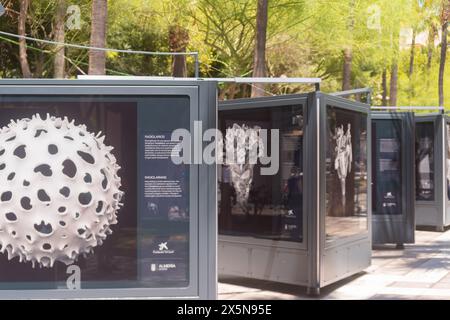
386 167
425 161
264 206
346 173
118 262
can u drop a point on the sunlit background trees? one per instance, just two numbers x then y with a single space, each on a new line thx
398 47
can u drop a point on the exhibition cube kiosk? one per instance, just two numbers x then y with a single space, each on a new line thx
433 171
92 203
393 178
308 222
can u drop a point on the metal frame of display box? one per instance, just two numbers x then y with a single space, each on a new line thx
203 224
398 228
436 213
314 263
356 93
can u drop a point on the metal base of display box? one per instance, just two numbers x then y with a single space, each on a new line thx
432 217
282 262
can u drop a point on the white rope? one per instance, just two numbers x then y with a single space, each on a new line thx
78 46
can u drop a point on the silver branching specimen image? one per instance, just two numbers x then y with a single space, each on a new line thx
246 142
343 160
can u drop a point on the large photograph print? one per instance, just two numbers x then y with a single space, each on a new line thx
89 197
255 205
386 167
346 172
67 192
425 161
56 226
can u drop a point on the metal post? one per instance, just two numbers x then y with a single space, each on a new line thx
197 65
369 97
408 108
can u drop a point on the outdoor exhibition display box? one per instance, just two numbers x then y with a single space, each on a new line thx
393 178
307 221
433 171
92 203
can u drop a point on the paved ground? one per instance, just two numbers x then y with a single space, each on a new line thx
420 271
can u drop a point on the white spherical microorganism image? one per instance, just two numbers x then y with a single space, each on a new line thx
59 190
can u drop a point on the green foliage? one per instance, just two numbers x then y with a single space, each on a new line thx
138 30
305 38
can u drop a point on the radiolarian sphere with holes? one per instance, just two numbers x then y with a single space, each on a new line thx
59 190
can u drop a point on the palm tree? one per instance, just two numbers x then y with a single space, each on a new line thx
97 59
444 22
259 62
348 50
178 42
23 58
59 62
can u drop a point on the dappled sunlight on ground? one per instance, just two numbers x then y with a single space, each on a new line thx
420 271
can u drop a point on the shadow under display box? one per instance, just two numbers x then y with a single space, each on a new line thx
306 223
90 198
432 171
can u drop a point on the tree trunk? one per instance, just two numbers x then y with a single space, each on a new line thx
59 62
431 37
259 62
24 65
384 85
347 71
348 52
445 17
411 58
97 59
39 65
178 42
394 80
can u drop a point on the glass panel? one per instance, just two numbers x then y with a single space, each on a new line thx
71 186
346 173
264 206
425 161
386 167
